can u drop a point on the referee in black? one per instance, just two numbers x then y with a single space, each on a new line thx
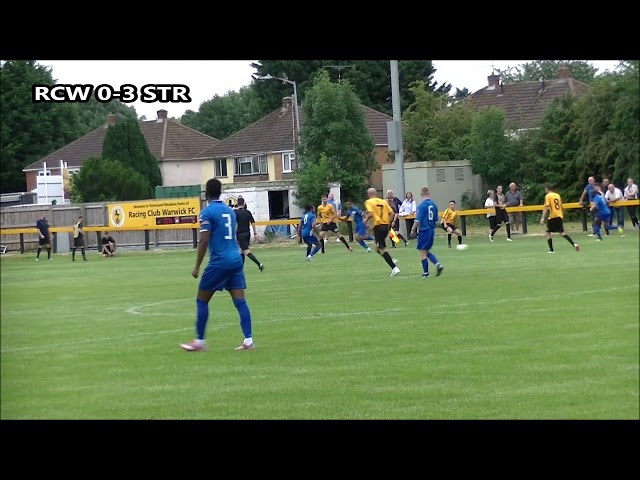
244 219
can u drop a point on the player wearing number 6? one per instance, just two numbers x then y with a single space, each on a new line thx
425 225
553 206
224 271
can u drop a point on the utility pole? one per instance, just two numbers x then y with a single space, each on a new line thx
339 68
394 130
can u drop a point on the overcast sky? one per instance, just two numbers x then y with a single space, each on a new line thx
206 78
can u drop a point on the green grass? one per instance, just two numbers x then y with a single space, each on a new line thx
506 332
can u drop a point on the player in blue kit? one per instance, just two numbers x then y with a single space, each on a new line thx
224 270
425 225
602 213
360 228
305 230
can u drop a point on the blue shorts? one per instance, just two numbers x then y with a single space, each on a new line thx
309 239
604 218
361 229
216 279
425 239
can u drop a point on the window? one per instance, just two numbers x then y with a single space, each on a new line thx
441 175
459 174
41 173
220 167
251 165
73 171
289 163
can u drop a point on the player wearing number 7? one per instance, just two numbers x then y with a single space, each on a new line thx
553 206
224 270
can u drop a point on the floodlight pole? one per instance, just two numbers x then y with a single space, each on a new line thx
397 118
295 99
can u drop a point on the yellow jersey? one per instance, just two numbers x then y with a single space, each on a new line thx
553 202
449 216
326 213
380 211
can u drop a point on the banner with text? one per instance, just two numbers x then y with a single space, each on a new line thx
154 214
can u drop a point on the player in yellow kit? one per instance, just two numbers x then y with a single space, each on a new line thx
379 214
448 223
327 215
553 206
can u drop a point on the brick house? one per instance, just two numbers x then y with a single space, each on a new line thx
174 145
264 151
525 103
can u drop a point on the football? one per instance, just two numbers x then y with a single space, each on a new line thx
462 246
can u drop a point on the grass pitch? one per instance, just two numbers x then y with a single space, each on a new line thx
506 332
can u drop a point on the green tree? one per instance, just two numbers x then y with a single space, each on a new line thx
608 126
552 154
489 149
102 180
369 78
224 115
30 131
334 126
124 142
434 130
94 114
312 179
547 69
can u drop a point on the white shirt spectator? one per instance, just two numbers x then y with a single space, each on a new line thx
613 196
488 203
407 208
631 192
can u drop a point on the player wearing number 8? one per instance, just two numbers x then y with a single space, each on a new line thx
553 206
224 270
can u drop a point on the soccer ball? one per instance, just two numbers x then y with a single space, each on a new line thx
462 246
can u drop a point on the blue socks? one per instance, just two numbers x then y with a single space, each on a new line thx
425 266
596 230
432 257
315 250
202 315
245 316
362 244
308 249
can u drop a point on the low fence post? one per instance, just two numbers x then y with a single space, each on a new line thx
195 237
55 242
584 219
524 222
350 230
146 239
22 243
463 225
99 240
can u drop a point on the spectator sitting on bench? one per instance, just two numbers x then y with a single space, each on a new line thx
108 245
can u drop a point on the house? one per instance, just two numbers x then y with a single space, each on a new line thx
265 150
525 103
174 145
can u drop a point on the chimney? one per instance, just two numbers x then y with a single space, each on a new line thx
494 80
162 114
563 71
287 103
111 119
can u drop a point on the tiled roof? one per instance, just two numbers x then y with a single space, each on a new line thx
180 143
274 133
524 103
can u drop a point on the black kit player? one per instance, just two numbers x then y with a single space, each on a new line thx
244 220
44 236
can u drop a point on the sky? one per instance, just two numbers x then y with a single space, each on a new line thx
207 78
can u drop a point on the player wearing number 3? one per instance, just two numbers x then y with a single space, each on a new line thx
225 268
553 206
425 225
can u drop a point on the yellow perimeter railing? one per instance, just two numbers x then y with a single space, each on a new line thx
461 213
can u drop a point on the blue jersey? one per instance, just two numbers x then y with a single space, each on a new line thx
601 205
427 215
220 221
356 215
308 219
